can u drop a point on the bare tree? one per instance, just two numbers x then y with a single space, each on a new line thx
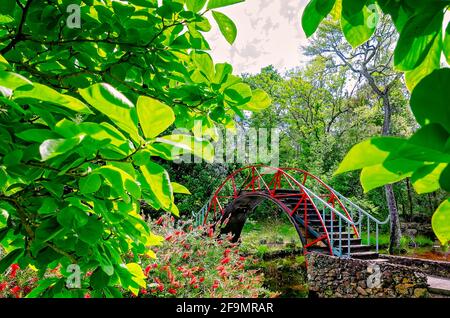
371 65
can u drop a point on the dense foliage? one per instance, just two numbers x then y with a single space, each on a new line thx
84 113
192 262
425 155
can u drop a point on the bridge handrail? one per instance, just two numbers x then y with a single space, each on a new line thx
342 216
360 210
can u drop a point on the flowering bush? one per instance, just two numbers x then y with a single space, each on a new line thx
190 262
17 283
193 262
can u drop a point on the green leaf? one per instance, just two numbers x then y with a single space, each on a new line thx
48 229
427 144
444 179
214 4
120 181
72 218
178 145
368 153
99 279
37 135
260 100
432 108
238 94
417 37
90 184
360 26
158 181
13 158
4 65
154 116
138 277
389 172
441 222
55 147
314 13
446 47
12 80
43 285
142 157
179 188
49 206
46 94
9 259
92 232
426 178
431 62
113 104
226 26
222 72
195 5
204 63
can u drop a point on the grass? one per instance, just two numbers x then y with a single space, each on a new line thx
405 243
261 237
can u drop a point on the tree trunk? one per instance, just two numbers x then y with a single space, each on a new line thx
408 188
396 234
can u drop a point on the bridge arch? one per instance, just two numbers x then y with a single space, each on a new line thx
317 212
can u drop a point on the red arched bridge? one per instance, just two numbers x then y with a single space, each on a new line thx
325 221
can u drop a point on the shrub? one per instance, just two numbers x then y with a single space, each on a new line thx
193 262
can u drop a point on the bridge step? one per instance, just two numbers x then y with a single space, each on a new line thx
364 255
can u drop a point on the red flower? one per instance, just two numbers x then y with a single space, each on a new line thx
172 291
155 265
242 258
220 268
159 221
143 291
14 269
15 291
202 279
226 260
216 284
3 286
87 295
147 270
196 286
161 287
185 255
89 273
226 252
180 268
193 281
210 232
27 290
168 237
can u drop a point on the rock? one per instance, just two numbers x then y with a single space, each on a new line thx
403 289
420 292
362 284
361 291
406 281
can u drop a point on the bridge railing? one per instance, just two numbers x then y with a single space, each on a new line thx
333 217
362 218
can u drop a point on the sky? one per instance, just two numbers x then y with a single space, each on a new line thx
269 32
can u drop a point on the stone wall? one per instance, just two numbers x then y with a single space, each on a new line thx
330 276
435 268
